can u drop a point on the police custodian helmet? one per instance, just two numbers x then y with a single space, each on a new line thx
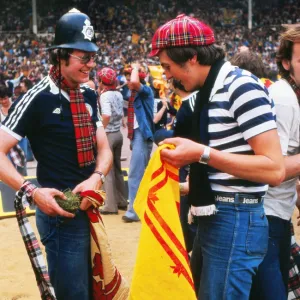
74 30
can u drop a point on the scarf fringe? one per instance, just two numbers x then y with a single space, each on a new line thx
201 211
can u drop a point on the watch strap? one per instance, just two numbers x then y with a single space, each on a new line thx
102 176
204 158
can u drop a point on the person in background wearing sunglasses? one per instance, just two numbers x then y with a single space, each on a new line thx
61 119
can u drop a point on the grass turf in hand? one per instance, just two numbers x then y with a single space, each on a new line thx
71 204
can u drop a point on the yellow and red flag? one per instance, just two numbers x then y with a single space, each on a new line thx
162 268
135 38
267 82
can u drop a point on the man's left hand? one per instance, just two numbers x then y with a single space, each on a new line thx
93 183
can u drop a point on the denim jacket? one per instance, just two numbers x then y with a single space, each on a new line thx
143 108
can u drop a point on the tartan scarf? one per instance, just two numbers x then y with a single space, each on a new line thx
23 199
294 86
85 133
107 282
130 114
17 155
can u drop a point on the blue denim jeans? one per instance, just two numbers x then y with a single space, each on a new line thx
141 150
271 280
228 248
162 134
67 245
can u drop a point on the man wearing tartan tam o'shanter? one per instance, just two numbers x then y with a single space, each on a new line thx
60 117
233 152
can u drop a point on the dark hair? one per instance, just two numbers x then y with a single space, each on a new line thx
206 55
4 91
285 50
63 54
28 83
251 62
272 75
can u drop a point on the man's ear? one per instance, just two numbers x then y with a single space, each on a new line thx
193 60
286 64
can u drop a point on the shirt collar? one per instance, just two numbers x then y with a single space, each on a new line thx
55 90
219 83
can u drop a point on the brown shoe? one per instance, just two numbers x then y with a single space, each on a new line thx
128 220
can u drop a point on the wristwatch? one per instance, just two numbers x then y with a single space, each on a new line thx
102 176
204 158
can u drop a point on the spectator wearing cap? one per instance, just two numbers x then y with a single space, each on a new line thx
112 114
140 132
234 154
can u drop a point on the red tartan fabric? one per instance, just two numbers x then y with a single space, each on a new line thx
180 32
85 133
108 76
130 115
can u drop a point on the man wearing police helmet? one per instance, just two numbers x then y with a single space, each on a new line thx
60 117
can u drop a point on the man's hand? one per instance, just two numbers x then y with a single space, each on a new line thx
93 183
44 199
184 188
164 102
185 153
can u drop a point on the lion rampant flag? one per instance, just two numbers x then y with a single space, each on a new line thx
162 268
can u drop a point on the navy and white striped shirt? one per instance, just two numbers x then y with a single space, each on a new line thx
239 109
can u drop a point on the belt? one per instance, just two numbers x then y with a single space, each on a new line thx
238 198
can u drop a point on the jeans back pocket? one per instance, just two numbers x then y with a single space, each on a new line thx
258 234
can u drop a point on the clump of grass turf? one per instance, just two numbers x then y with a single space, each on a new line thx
71 204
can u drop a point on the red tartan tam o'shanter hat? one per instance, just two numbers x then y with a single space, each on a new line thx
181 32
107 76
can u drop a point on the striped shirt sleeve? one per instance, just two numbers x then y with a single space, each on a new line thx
251 106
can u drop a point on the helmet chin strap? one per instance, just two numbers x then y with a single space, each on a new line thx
59 85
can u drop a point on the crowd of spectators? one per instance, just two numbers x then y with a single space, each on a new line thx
124 29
